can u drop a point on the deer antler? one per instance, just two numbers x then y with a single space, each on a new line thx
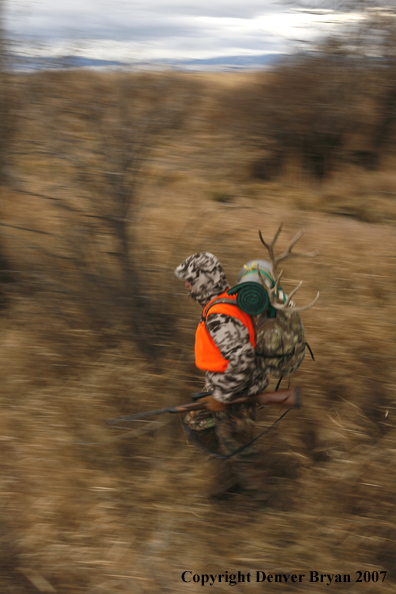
272 293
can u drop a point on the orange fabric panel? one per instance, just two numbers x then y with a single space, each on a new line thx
207 354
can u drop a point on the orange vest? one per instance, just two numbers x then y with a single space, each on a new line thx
207 354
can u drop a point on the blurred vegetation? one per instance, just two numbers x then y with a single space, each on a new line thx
100 132
112 180
331 105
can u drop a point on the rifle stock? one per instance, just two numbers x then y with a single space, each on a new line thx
283 398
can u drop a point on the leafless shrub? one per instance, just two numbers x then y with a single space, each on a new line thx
7 119
305 111
79 501
99 134
331 104
9 100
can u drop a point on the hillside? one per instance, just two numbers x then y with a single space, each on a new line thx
89 509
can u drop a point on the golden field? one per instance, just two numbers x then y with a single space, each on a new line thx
89 509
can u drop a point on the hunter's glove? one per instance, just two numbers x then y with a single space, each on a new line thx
212 404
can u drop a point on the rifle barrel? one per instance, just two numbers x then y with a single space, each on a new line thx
137 416
285 398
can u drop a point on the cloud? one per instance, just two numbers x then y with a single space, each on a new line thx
107 17
155 28
83 13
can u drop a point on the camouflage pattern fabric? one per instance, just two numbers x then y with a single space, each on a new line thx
206 276
235 426
243 375
200 420
280 345
225 432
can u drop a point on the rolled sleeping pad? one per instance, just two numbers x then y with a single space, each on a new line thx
252 298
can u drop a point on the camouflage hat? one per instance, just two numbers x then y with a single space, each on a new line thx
205 274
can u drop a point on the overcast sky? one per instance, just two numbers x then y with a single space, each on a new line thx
156 29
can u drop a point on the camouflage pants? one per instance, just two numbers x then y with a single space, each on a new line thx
231 429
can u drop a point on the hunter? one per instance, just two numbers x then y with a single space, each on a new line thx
225 349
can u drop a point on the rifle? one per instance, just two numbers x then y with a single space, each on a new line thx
284 398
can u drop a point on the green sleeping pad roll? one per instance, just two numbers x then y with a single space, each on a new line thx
252 298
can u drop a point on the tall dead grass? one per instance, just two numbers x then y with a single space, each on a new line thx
86 508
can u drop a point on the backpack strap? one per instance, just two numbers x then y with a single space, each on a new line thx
216 302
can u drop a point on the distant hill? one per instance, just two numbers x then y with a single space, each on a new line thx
230 61
28 63
46 62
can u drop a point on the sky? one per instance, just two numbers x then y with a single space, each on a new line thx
144 30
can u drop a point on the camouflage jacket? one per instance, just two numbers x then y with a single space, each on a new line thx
243 375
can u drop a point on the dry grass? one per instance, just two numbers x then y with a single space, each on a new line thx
85 509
